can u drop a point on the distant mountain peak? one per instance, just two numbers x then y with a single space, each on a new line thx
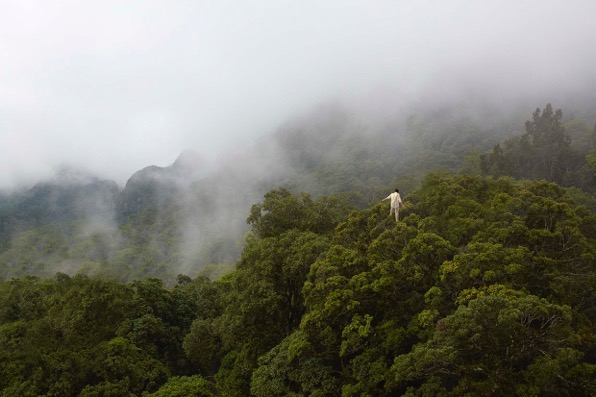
189 161
70 175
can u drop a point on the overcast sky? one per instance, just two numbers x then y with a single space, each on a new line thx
115 86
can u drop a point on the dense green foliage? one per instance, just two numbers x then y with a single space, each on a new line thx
485 287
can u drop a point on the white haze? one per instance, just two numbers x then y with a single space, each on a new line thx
115 86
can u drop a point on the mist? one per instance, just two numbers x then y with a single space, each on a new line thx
112 88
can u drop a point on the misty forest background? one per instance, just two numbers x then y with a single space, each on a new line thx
280 273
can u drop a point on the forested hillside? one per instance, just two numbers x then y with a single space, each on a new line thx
486 285
187 217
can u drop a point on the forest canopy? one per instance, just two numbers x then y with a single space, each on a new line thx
486 285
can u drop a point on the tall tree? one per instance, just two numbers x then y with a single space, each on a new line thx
542 152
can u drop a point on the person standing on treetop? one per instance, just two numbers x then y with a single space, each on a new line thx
395 203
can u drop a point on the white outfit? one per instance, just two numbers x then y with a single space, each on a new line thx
395 204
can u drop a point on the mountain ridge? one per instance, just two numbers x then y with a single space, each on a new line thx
187 216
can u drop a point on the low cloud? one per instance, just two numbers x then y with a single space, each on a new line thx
114 87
